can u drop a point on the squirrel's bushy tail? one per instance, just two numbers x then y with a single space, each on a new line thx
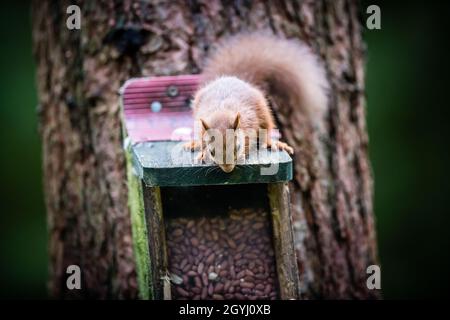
284 68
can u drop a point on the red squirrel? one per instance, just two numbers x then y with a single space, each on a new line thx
231 95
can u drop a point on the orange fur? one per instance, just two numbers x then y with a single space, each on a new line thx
245 65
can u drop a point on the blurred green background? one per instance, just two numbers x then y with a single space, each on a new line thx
407 119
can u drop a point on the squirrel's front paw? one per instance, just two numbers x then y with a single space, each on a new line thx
284 146
201 157
280 146
192 146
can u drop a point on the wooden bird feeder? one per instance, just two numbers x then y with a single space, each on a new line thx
198 232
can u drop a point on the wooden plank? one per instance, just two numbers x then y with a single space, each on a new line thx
173 93
283 239
156 243
160 89
139 231
187 79
159 126
167 164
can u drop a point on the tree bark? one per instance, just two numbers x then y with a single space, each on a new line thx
79 73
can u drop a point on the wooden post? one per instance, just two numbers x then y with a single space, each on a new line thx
283 240
156 243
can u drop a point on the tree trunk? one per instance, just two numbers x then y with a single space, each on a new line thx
79 73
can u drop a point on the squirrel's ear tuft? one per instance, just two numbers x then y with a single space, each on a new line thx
204 124
237 121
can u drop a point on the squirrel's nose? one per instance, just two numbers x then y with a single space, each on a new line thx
227 168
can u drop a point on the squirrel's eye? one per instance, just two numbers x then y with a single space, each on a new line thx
212 152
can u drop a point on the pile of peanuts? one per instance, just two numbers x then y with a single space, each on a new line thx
222 257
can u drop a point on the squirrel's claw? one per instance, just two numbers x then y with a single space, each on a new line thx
201 156
278 145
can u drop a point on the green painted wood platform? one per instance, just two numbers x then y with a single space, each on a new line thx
166 163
